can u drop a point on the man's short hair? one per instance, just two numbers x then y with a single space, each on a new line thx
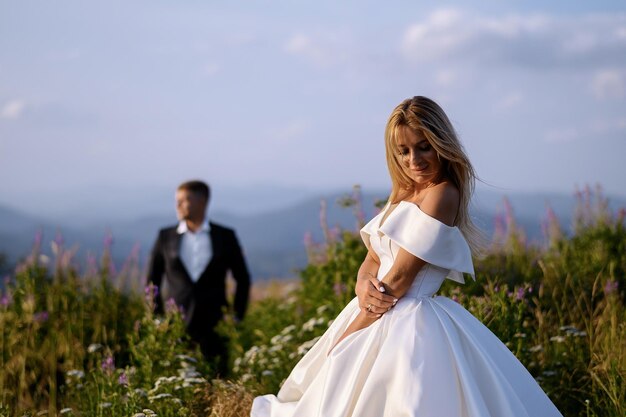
197 187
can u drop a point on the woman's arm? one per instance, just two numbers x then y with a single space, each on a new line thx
371 300
441 203
395 284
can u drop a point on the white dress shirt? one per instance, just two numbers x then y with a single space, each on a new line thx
195 249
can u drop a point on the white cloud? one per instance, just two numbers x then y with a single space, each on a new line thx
596 128
608 84
533 40
567 134
13 109
289 132
325 49
307 47
446 77
510 101
211 69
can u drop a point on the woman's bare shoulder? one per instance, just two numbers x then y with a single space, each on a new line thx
442 202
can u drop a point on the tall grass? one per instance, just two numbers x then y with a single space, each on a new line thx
88 343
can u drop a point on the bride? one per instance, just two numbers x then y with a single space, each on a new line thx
397 349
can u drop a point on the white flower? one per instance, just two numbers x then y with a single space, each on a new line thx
288 329
568 329
195 380
141 392
76 373
105 405
536 348
321 309
276 348
304 348
65 410
160 396
94 347
309 325
267 372
558 339
186 358
149 413
518 334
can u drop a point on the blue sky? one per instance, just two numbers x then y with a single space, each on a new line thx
149 93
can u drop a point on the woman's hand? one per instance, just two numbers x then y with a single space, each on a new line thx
372 298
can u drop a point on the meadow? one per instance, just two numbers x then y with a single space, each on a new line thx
87 343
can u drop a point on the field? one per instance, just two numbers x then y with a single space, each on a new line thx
87 343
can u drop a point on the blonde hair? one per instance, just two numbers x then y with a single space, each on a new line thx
423 116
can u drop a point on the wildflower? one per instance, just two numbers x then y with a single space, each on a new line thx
558 339
186 358
141 392
6 300
304 348
160 396
610 287
339 288
288 329
195 380
519 335
41 317
308 240
75 373
108 364
105 405
65 410
108 240
170 306
151 292
519 295
123 379
149 413
94 347
267 372
536 348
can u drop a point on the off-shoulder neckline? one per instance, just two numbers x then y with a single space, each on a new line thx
418 209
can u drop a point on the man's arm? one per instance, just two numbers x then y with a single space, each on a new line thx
156 269
242 278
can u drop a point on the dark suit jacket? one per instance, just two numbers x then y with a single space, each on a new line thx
204 299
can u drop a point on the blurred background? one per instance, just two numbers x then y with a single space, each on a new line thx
106 108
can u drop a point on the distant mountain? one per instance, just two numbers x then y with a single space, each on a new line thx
272 239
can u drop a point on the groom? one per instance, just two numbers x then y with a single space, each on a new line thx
189 263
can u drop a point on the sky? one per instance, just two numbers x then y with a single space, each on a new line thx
297 93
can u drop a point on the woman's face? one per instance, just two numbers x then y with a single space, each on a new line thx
417 157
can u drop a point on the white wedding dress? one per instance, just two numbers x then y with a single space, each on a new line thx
426 357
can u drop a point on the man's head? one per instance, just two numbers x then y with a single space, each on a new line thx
192 199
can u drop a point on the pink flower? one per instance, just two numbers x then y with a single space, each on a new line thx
41 317
123 379
610 287
108 365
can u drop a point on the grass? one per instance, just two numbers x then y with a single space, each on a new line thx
88 343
